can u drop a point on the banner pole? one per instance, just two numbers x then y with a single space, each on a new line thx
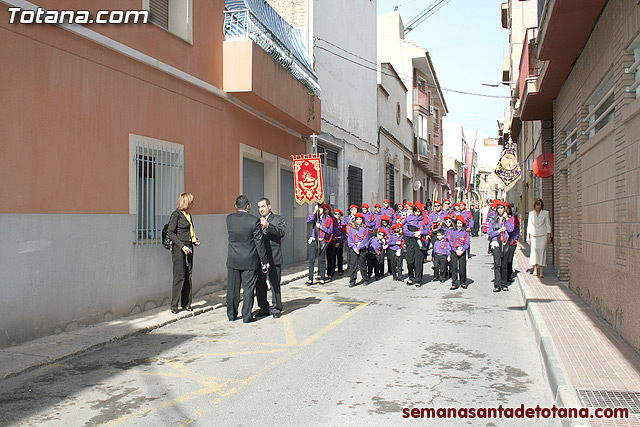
314 141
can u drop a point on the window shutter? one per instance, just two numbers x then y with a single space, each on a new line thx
159 13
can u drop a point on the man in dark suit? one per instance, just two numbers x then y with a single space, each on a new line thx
246 252
273 228
475 212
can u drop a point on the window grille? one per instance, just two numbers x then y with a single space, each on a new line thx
355 185
601 107
390 184
635 68
571 140
159 178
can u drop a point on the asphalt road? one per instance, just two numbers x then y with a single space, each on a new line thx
339 356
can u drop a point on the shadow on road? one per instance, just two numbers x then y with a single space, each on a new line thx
34 397
529 301
296 304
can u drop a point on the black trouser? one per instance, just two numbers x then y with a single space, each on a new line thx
415 260
182 268
500 259
339 257
358 262
275 274
511 251
440 263
395 262
375 264
331 258
248 280
322 258
458 268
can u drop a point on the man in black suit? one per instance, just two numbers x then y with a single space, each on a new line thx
273 228
246 252
475 212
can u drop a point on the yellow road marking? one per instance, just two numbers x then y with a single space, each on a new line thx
333 324
210 382
178 400
289 333
213 385
243 353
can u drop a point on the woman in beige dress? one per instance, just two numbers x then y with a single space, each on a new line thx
538 235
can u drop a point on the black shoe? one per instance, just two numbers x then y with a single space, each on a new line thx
464 286
510 280
453 287
409 282
309 282
175 311
505 288
260 314
249 320
352 285
277 315
366 283
339 273
496 289
233 319
418 285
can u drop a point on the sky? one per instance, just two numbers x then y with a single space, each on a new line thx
466 42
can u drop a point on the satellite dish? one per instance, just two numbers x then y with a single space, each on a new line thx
543 165
417 185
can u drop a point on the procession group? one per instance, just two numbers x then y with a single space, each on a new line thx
410 233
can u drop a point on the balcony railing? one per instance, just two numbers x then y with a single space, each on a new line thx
240 24
528 61
420 98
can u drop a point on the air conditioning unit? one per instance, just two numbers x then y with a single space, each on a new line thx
431 110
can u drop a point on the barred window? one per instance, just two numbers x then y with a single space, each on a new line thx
390 184
571 140
158 168
601 106
354 179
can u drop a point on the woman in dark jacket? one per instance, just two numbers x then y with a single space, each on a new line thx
182 233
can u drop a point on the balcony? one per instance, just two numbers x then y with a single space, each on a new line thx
565 27
425 158
265 64
420 99
530 102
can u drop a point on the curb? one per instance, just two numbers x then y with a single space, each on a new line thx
564 394
29 356
25 357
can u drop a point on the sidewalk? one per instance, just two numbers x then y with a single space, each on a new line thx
51 349
588 363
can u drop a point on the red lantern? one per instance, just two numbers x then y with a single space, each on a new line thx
543 165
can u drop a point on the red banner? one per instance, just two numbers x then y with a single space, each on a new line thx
307 170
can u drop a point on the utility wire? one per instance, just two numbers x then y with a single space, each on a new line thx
406 78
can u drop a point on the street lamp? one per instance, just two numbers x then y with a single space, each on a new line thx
496 84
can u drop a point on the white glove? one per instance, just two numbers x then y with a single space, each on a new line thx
311 239
495 244
399 252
